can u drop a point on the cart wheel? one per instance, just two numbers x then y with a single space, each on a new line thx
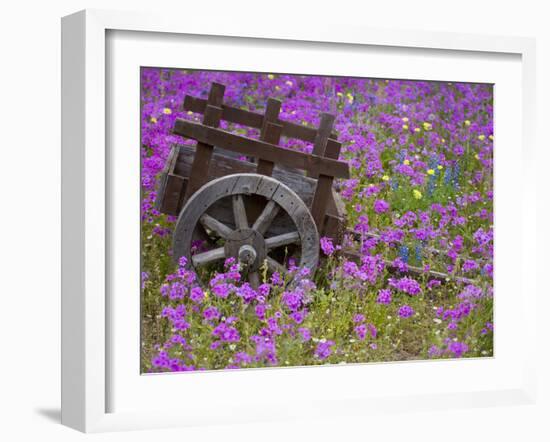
247 240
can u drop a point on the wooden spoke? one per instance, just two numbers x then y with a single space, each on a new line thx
216 226
274 266
254 279
266 217
282 240
203 258
239 212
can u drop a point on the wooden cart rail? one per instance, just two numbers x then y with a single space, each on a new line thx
254 119
322 164
261 150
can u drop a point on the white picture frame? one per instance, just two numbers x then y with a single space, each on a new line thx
85 212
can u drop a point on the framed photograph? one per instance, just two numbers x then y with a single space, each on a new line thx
273 221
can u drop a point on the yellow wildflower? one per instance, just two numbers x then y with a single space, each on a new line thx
167 111
430 171
417 129
477 156
405 127
427 126
417 194
439 167
189 112
467 123
277 88
443 140
406 162
340 94
385 178
153 120
405 120
350 98
288 83
481 137
271 76
491 137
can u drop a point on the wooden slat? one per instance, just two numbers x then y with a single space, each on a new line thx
175 186
334 227
204 151
261 149
254 119
323 190
270 133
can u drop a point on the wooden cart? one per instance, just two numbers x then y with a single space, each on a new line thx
275 203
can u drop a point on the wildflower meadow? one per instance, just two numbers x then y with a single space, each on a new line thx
419 219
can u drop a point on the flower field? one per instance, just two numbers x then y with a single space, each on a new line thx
419 215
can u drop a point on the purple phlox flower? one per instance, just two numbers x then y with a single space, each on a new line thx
242 358
372 267
211 313
226 333
362 225
197 295
264 290
324 349
306 334
361 331
458 348
434 351
326 246
292 299
381 206
406 285
221 290
400 265
246 292
405 311
298 316
384 296
350 268
373 331
469 265
470 292
358 317
260 310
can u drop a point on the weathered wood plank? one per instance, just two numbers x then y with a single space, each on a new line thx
239 212
254 119
282 240
201 163
324 182
216 226
203 258
260 149
267 216
169 167
270 133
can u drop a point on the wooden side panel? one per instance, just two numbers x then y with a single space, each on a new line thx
212 117
171 186
270 133
222 165
324 183
261 149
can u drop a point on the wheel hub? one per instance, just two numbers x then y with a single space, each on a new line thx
248 246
